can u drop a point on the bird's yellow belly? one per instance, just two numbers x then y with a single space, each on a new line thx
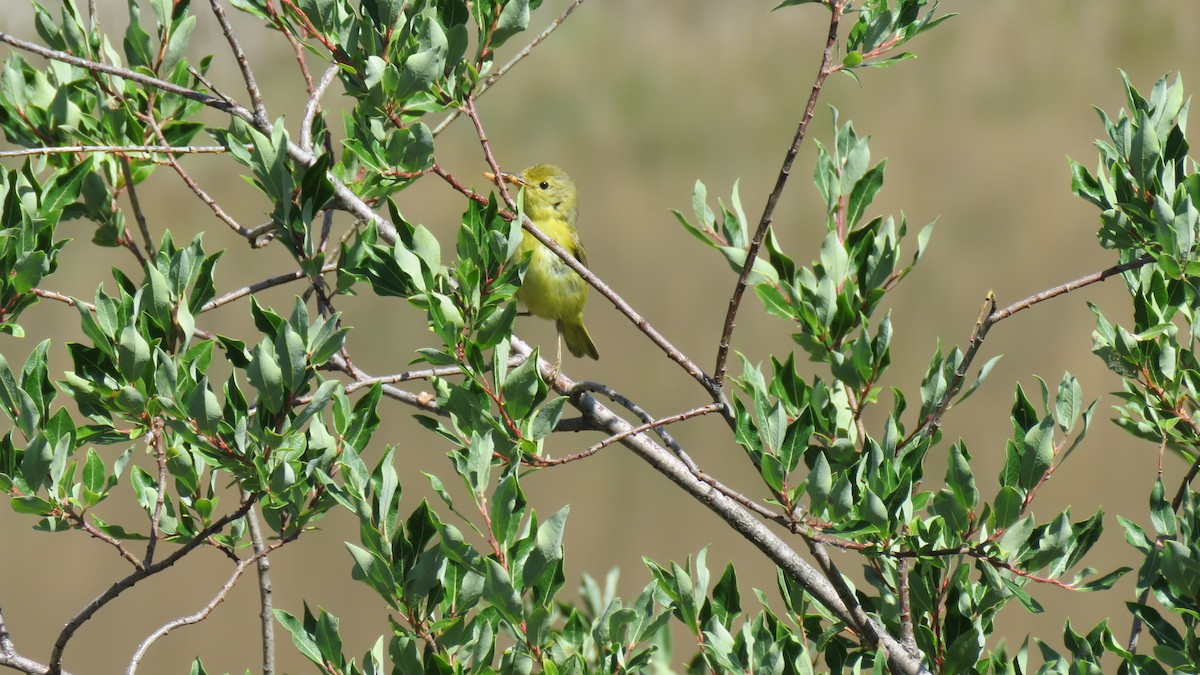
550 290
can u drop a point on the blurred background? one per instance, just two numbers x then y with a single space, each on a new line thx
637 101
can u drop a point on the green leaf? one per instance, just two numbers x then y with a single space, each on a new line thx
1037 453
133 353
300 637
204 408
513 19
549 548
820 482
1161 513
498 590
546 419
17 403
266 377
523 388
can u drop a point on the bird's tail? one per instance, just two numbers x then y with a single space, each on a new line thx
575 334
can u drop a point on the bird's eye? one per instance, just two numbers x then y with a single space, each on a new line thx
544 185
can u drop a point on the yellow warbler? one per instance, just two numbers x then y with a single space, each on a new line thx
550 289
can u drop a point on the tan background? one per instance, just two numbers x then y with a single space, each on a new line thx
637 101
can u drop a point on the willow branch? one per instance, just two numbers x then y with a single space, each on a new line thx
203 613
134 202
11 659
764 223
313 105
119 150
991 316
256 99
262 285
68 631
266 613
736 517
631 431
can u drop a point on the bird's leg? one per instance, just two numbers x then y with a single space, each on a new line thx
557 358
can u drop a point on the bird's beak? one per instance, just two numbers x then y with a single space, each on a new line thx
508 178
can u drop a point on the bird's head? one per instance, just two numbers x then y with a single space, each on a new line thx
549 192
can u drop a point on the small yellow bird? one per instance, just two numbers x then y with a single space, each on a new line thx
551 290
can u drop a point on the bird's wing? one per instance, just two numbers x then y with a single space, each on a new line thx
577 249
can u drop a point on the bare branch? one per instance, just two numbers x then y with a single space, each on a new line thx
739 519
125 73
11 659
192 185
346 199
262 285
91 531
631 431
310 108
259 555
991 317
155 440
423 400
68 631
138 215
256 99
266 614
119 150
836 8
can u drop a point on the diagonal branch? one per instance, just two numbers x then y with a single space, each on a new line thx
740 520
11 659
259 556
836 8
992 316
68 631
256 99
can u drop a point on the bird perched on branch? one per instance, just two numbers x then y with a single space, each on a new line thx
552 290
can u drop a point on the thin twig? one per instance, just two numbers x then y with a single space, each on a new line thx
423 400
91 531
261 285
134 76
653 424
409 375
138 214
266 614
11 659
120 150
579 424
907 637
858 618
836 7
758 533
313 105
203 613
155 441
526 51
55 295
256 99
636 409
191 183
60 644
992 316
345 197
